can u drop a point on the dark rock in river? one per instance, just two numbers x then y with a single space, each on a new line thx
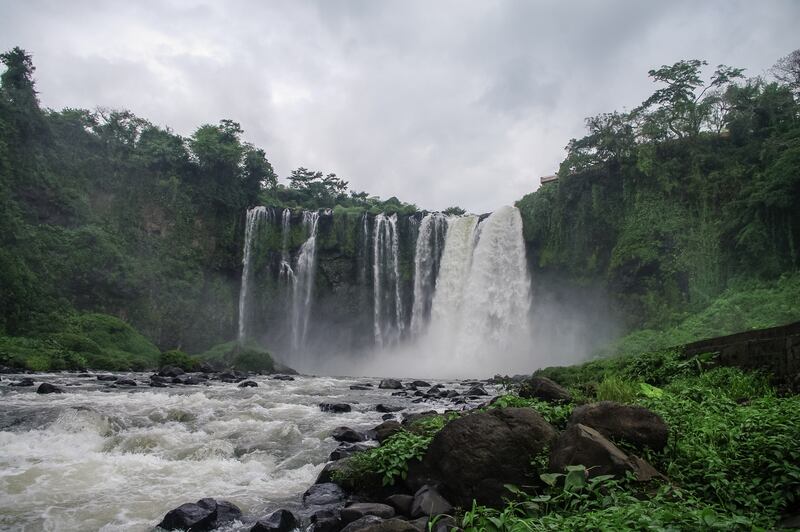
348 449
358 510
428 501
387 417
24 382
420 384
205 514
324 494
388 408
336 408
126 382
544 389
363 523
358 387
282 378
582 445
205 367
401 502
386 429
277 521
171 371
46 387
248 384
475 455
346 434
326 521
476 390
107 377
633 424
390 384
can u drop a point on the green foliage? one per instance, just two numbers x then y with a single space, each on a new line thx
389 461
556 414
236 356
454 211
613 388
177 358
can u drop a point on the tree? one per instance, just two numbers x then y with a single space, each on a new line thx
321 190
18 91
678 108
257 174
454 211
787 71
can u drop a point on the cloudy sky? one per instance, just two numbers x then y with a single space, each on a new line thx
437 102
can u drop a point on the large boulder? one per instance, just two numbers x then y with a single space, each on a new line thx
390 384
336 408
582 445
205 514
277 521
358 510
346 434
171 371
386 429
363 523
388 408
46 387
475 455
633 424
429 502
389 525
544 389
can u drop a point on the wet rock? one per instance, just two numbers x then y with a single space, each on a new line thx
401 503
107 377
388 408
420 384
126 382
634 424
390 384
277 521
358 387
171 371
157 384
340 465
336 408
445 524
358 510
450 394
582 445
434 390
324 494
348 449
205 367
188 380
409 418
363 523
386 429
325 521
346 434
400 394
420 524
391 525
429 502
46 387
476 390
248 384
475 455
282 378
232 376
544 389
205 514
387 417
23 382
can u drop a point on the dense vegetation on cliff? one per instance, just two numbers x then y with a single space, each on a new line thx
693 192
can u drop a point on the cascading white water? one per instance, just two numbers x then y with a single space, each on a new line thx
453 272
388 312
426 266
255 217
304 282
286 274
497 293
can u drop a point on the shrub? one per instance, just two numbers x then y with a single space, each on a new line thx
178 358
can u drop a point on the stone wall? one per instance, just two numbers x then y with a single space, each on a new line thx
776 350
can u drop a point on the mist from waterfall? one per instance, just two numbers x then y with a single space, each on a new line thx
416 295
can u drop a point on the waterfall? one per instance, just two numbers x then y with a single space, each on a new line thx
453 271
427 256
286 274
388 317
255 217
482 291
497 292
304 281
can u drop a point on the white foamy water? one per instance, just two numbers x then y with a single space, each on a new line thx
114 459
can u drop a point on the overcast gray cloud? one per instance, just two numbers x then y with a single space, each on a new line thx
436 102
